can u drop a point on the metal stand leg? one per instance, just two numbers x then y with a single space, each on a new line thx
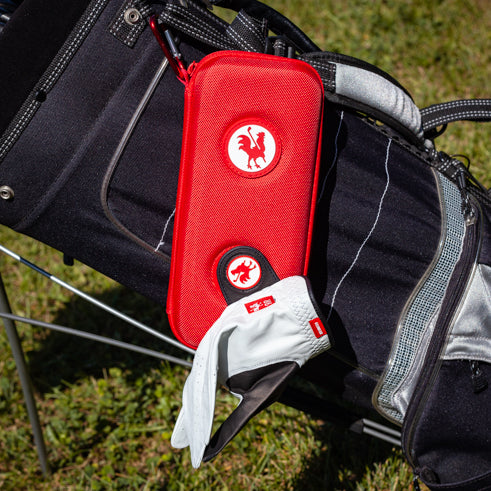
25 380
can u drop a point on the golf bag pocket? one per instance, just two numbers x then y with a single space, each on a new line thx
83 165
247 183
438 370
453 393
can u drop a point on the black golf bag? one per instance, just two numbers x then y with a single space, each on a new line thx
400 261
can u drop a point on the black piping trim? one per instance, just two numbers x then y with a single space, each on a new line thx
117 155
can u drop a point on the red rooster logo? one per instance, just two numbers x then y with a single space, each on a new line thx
255 149
242 272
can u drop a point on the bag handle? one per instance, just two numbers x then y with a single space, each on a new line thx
348 81
364 87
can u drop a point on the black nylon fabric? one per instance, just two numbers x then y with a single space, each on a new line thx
363 276
57 166
141 193
28 43
446 441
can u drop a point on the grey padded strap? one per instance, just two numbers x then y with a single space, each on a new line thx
374 91
358 85
367 89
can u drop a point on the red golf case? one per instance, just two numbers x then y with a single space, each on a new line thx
247 183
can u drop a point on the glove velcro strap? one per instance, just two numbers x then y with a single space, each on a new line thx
300 297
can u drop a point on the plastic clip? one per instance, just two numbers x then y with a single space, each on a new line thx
169 47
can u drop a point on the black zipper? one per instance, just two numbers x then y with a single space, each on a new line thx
432 363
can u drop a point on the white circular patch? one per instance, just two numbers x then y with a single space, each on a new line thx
244 272
252 148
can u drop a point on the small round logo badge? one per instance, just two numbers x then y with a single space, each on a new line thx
244 272
253 149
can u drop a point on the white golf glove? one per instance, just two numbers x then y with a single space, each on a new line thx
254 347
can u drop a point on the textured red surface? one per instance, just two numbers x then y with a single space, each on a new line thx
219 206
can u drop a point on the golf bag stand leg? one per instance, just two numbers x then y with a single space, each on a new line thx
25 380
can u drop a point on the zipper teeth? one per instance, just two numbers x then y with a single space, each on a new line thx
52 74
432 363
417 315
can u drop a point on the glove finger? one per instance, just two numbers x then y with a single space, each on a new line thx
194 423
179 438
259 388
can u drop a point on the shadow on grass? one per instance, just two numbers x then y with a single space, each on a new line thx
343 460
65 358
339 463
344 456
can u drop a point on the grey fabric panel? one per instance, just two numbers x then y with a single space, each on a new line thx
402 396
377 92
418 320
470 338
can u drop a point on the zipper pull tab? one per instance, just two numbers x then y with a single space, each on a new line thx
467 210
416 485
479 380
170 50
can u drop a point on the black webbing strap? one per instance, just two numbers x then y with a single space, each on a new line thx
461 110
277 23
248 33
244 33
197 22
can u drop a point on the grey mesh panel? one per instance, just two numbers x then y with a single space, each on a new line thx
418 320
470 337
377 92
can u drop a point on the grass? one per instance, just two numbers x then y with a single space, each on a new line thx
107 415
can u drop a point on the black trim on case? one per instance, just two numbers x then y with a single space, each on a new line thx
230 292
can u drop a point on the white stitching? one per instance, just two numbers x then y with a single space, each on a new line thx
348 271
452 104
448 118
239 39
255 30
162 241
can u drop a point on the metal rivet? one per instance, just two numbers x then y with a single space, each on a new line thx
6 192
132 16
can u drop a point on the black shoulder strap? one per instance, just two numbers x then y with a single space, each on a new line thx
349 82
277 23
244 33
447 112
